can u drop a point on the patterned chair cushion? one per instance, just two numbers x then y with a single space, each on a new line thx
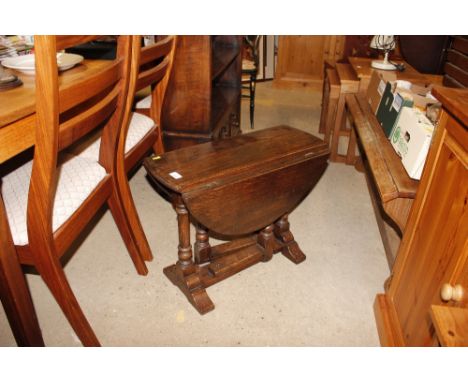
78 177
140 125
247 65
144 103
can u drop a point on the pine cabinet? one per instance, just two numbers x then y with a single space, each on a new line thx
301 59
433 254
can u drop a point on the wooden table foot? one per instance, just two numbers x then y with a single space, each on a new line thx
191 286
224 260
290 247
185 273
267 241
193 273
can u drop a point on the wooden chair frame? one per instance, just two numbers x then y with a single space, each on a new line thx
63 116
150 66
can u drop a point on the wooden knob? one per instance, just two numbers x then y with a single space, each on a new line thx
451 293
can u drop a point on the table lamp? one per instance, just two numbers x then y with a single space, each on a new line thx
385 44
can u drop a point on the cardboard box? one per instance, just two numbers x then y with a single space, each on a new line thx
420 93
411 139
387 95
378 84
390 106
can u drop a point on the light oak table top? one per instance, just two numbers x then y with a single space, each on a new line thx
455 101
18 106
363 69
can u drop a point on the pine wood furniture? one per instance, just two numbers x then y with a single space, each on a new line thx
241 189
392 191
150 66
349 84
141 132
17 133
395 188
301 58
62 114
330 96
362 68
18 108
451 325
432 263
203 96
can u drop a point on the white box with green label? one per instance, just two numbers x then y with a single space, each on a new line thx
411 139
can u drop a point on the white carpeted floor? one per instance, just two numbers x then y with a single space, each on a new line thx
325 301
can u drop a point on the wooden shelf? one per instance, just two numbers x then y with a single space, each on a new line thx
396 190
392 179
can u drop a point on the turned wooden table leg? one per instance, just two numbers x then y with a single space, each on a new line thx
290 249
185 273
184 253
267 241
202 246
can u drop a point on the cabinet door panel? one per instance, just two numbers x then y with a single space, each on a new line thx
439 240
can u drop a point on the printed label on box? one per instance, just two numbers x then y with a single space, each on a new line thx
381 87
400 142
397 102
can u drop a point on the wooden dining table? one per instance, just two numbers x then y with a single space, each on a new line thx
17 134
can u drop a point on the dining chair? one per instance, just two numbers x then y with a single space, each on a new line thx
250 71
143 103
50 200
150 67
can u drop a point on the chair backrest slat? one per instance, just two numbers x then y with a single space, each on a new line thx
153 75
153 52
150 66
66 41
74 95
66 112
81 124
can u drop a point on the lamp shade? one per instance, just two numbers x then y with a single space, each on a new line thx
382 42
385 44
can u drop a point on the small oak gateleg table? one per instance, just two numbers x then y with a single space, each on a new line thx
241 188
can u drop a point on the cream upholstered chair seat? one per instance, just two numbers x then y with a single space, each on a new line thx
144 103
140 125
247 65
78 177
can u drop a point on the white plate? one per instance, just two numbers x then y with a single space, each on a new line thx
25 64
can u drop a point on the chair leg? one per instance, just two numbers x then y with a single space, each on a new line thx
252 100
128 231
52 273
14 291
126 208
127 219
158 146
